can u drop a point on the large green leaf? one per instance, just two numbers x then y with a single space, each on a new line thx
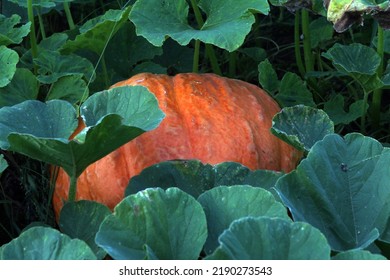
44 243
195 178
113 117
55 119
82 219
358 61
225 204
227 23
358 255
343 189
23 86
9 34
265 238
344 13
95 33
301 126
155 224
8 60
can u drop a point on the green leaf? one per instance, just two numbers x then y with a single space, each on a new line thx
224 204
96 32
133 50
81 220
169 224
354 58
9 34
268 78
3 164
113 118
195 178
342 188
23 86
52 66
293 91
44 243
301 126
148 67
38 3
345 13
359 62
55 119
335 109
70 88
358 255
227 23
255 53
8 60
321 31
265 238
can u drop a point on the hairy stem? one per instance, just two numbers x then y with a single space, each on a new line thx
297 45
209 49
377 95
69 17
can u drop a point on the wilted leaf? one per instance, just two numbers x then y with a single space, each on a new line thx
345 13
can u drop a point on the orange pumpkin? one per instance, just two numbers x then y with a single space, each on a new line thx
208 117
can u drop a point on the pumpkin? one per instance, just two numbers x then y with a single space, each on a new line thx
208 117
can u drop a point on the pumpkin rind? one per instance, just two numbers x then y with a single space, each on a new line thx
208 117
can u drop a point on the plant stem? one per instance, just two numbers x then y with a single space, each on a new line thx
297 45
33 38
195 64
232 64
209 49
69 16
41 26
307 41
363 119
213 59
72 188
377 95
105 72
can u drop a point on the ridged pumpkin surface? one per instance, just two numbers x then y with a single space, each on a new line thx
208 117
